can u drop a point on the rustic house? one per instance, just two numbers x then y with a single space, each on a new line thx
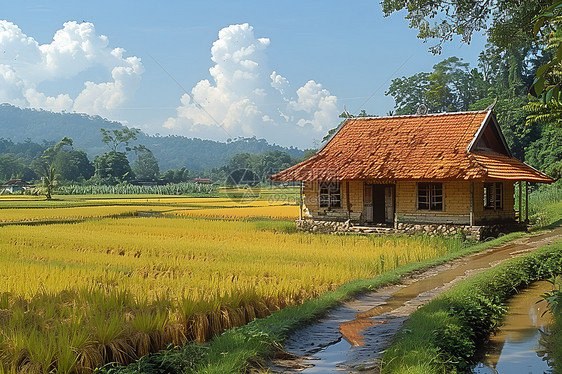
13 186
442 169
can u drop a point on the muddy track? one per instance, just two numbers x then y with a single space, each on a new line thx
353 336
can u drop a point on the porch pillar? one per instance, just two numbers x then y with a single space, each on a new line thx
348 202
520 200
300 200
471 203
526 202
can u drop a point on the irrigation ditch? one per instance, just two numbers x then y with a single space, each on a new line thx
516 346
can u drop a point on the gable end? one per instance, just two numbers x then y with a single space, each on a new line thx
489 138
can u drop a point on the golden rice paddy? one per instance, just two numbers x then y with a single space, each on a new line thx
72 213
268 211
74 296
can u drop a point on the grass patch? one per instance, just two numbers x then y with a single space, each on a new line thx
442 336
552 339
545 205
238 348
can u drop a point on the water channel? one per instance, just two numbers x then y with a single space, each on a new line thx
515 348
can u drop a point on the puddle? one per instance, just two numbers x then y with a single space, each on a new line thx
353 336
514 348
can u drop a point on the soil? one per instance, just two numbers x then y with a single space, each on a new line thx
353 336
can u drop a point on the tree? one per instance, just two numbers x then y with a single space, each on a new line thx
176 176
251 169
115 138
73 165
450 87
49 180
546 153
547 84
308 154
10 167
112 168
146 165
507 22
409 92
45 168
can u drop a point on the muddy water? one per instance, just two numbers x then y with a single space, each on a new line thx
515 348
353 337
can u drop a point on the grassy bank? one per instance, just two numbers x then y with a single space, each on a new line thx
238 348
442 336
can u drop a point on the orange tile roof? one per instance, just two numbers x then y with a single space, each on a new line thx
501 167
425 147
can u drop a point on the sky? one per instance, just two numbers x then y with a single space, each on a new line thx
278 70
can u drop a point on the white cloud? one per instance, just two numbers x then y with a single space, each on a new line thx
245 98
24 65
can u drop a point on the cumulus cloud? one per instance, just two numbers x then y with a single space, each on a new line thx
25 64
245 98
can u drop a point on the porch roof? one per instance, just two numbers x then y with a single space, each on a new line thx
427 147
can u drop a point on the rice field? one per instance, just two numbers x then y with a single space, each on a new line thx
268 211
72 213
75 296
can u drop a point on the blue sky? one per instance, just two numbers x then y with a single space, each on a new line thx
281 70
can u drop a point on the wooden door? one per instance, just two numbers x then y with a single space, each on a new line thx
368 202
389 203
379 203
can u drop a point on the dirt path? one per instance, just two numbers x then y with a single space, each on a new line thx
353 336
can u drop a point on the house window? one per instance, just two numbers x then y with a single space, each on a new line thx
493 195
430 196
330 195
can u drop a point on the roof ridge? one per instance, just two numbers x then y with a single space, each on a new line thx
422 115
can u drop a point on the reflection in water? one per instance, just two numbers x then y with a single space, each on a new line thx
514 349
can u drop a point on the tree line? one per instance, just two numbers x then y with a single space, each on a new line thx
57 164
60 163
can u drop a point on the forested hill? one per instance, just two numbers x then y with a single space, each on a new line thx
172 152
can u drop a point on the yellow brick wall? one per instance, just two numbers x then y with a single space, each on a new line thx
312 192
456 201
482 215
355 196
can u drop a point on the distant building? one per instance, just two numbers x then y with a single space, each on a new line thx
14 186
202 180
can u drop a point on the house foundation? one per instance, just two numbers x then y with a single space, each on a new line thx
477 233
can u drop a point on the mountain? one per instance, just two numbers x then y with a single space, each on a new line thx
172 152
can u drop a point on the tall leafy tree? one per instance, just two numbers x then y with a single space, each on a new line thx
146 165
112 168
116 138
10 167
73 165
450 87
